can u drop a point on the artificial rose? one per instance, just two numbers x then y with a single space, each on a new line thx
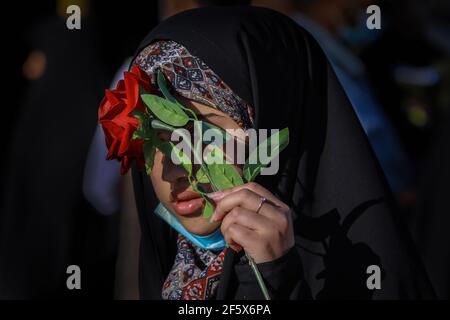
118 123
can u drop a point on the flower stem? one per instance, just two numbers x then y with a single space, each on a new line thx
258 276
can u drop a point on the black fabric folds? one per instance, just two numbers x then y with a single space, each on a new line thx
343 219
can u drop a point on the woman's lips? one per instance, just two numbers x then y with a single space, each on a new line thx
187 202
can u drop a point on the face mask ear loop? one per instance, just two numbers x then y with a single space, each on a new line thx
213 241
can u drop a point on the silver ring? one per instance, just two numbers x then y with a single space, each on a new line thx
261 203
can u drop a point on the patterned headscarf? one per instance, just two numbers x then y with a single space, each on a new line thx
196 272
193 79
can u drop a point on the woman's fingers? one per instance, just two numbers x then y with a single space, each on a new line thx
248 219
247 199
262 228
252 186
240 235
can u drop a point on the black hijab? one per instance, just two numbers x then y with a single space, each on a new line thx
328 174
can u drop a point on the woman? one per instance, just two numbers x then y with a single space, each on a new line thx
326 226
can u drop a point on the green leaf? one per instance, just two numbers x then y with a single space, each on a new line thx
169 150
251 170
162 84
149 150
158 125
144 130
136 134
184 159
165 110
138 114
224 175
215 155
201 176
208 209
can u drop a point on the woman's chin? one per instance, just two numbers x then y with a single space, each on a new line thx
199 225
194 222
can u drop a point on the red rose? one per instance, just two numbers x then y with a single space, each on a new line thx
117 121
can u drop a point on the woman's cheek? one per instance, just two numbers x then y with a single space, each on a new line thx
161 187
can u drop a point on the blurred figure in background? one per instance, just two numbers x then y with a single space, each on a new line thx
46 225
400 64
410 67
330 22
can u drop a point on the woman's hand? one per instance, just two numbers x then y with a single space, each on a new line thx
265 234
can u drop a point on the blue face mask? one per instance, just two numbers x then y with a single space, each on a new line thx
213 241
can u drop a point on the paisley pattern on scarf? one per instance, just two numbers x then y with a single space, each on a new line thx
195 274
193 79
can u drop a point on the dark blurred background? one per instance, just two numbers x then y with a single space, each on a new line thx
397 78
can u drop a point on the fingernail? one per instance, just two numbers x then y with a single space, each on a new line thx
215 195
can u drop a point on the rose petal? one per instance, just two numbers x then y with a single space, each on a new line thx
132 90
115 117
